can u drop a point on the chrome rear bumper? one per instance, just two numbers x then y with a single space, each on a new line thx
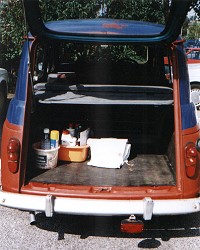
146 207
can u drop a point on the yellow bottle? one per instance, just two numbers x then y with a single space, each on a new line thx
54 137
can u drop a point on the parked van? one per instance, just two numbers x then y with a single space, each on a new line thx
129 139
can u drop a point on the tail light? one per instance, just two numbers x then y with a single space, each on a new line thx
190 159
13 152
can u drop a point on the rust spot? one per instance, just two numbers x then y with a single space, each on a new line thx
114 26
102 32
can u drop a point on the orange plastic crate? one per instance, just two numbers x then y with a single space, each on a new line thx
73 154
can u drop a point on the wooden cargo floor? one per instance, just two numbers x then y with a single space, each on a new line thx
153 170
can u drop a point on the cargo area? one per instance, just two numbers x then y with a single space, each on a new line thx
143 115
117 91
143 170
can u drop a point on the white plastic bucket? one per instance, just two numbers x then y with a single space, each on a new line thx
45 158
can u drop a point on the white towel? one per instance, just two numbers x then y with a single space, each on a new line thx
108 152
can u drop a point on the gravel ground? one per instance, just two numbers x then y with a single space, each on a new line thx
95 233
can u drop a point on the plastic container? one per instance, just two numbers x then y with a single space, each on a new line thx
68 140
45 158
73 154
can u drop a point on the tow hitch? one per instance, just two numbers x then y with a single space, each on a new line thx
131 225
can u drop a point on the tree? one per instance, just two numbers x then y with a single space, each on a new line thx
146 10
12 31
194 31
13 22
191 27
13 27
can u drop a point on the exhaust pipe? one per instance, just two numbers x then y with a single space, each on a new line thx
32 218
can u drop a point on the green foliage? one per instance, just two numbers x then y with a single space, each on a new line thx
150 10
102 53
194 31
12 30
13 25
185 27
58 10
146 10
191 28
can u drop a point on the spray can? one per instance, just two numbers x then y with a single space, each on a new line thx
54 138
45 142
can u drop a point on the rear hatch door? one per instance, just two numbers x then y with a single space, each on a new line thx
109 30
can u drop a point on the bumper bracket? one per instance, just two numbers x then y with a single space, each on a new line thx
148 208
49 205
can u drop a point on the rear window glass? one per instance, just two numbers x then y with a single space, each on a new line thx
102 64
90 53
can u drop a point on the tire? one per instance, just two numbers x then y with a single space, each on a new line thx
195 94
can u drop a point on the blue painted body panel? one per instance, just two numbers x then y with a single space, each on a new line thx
104 30
105 26
188 117
15 114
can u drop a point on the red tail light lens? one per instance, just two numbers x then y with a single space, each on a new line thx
13 152
132 225
190 159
